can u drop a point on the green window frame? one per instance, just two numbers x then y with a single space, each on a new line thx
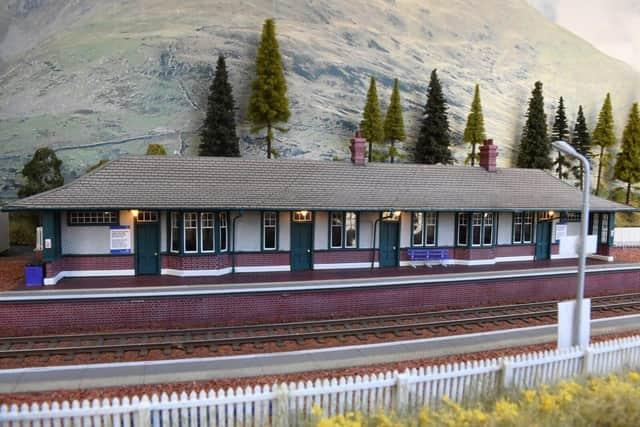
424 229
476 229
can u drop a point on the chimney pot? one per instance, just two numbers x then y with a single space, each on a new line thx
358 149
488 155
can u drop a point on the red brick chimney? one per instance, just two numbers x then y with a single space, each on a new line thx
488 155
358 149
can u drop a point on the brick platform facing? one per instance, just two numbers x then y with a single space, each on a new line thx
338 257
79 263
166 312
625 254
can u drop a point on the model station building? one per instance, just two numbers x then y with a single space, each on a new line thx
204 216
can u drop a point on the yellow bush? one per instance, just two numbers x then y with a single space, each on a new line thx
606 401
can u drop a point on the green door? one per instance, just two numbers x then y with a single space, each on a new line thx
301 245
147 248
543 240
389 246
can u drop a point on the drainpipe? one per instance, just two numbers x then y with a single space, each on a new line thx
233 241
373 246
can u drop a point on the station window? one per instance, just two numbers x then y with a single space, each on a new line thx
523 227
175 232
207 228
343 230
190 227
223 219
93 217
269 230
424 228
481 232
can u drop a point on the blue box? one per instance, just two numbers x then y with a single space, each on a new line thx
33 275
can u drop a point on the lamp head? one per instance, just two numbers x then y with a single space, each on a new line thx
565 147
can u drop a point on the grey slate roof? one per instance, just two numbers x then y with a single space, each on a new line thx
161 182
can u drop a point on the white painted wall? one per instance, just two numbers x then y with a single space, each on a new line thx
4 231
321 232
505 226
90 239
284 233
248 232
163 231
405 229
367 220
446 228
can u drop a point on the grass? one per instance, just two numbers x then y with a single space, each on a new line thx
603 401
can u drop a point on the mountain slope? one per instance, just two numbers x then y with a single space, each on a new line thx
98 73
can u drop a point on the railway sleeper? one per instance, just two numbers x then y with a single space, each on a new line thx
236 346
343 339
321 340
361 337
380 335
214 347
69 356
416 332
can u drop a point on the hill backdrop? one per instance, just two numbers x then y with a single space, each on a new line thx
96 79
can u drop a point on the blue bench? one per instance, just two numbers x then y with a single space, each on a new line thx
428 255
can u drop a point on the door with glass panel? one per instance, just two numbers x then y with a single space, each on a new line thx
147 243
301 241
389 242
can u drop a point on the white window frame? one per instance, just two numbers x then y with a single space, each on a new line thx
223 221
269 215
428 224
346 223
463 221
604 229
175 225
340 217
184 232
211 218
417 228
487 223
474 224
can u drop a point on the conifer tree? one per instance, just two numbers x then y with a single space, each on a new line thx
627 168
219 131
371 125
474 131
393 122
604 137
534 146
560 132
433 142
268 104
581 141
41 173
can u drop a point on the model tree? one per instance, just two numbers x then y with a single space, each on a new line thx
474 133
393 122
604 137
156 150
219 131
534 146
433 142
371 125
627 168
268 104
560 132
581 141
41 173
96 166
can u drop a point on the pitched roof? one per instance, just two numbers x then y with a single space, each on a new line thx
162 182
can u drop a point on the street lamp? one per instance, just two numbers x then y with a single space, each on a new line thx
582 259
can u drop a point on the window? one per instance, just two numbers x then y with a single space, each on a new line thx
463 224
93 218
573 216
604 228
343 229
336 229
223 218
302 216
190 221
488 229
175 232
147 216
424 228
476 229
522 227
269 230
207 232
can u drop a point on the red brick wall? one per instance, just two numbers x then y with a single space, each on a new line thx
89 262
625 254
342 256
58 316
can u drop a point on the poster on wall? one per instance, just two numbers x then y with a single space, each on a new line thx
120 239
561 231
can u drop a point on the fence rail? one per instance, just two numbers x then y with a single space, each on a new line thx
292 403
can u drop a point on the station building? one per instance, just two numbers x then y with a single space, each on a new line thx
208 216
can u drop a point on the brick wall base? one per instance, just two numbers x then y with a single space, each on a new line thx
230 309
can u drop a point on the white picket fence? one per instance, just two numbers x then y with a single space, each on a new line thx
626 237
291 404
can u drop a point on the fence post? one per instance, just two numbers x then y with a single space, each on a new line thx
506 375
587 361
402 393
143 413
280 416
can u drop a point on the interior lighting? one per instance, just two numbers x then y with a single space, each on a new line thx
135 212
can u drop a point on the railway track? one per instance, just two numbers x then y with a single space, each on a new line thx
237 338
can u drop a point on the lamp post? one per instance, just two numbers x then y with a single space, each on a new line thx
582 259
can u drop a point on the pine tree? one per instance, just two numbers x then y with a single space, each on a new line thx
156 150
219 131
433 142
627 168
268 102
393 122
371 125
581 141
474 131
560 132
534 146
604 137
41 173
